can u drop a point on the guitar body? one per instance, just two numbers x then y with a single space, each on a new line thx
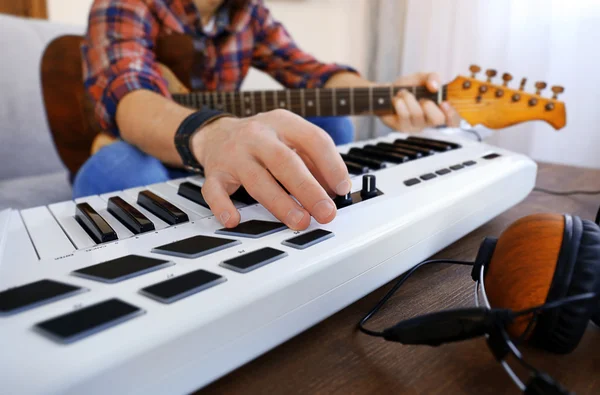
77 134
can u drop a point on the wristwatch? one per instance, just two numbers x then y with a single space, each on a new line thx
186 130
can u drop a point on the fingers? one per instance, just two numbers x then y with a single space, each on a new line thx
215 194
312 142
416 114
433 82
452 117
261 186
290 170
434 116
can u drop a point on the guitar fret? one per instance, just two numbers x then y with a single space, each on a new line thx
289 102
439 96
371 99
232 96
263 99
302 103
242 105
351 101
391 95
275 105
333 102
414 90
252 103
318 99
215 97
223 101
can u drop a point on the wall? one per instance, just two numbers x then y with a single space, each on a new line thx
332 30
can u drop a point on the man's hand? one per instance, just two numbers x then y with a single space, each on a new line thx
258 151
412 115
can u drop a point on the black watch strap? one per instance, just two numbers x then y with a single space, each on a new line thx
184 133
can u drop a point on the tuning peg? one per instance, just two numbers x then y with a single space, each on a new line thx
491 73
506 78
474 69
523 82
557 90
539 86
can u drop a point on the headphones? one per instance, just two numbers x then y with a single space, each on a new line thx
539 283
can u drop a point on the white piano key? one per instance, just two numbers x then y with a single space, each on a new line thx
64 213
169 193
196 180
158 223
19 258
100 205
48 237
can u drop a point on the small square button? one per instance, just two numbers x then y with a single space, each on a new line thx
411 182
253 260
469 163
308 239
428 176
442 172
457 167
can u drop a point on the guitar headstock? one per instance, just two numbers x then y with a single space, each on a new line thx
498 106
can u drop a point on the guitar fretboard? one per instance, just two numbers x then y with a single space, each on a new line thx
307 102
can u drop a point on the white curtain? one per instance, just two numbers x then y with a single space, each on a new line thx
556 41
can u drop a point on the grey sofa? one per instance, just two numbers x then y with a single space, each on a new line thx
31 173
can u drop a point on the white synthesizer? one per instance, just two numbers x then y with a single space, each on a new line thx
142 291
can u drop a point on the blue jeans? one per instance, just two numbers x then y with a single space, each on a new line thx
121 165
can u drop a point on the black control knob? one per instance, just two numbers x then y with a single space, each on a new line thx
369 187
343 201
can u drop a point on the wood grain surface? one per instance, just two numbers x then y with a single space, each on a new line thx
333 358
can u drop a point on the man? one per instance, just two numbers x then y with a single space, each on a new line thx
159 138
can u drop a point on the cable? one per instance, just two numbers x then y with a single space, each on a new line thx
473 131
393 290
566 193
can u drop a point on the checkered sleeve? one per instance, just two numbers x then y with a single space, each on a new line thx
118 56
276 54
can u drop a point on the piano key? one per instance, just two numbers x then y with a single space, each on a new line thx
46 234
158 223
178 181
425 151
371 163
253 260
393 158
122 268
19 252
129 216
308 239
180 287
193 210
412 154
434 146
98 204
196 246
355 168
240 198
89 219
64 213
28 296
428 140
78 324
253 229
162 208
374 148
192 192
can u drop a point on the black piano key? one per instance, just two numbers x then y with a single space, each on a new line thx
355 168
96 226
412 154
434 146
253 260
28 296
180 287
371 163
78 324
161 208
242 196
425 151
376 155
428 140
373 148
308 239
192 192
129 216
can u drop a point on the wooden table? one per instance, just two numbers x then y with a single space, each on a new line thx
333 358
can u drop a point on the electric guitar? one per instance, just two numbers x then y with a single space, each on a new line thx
77 135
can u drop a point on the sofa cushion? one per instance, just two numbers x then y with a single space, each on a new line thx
32 191
26 146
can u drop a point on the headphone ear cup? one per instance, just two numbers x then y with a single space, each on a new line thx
560 330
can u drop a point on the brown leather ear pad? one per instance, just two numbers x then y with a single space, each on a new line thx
577 272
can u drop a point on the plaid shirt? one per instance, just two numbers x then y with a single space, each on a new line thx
118 50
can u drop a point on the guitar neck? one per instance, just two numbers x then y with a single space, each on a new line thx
307 102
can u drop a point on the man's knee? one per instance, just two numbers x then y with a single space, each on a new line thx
341 129
116 167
